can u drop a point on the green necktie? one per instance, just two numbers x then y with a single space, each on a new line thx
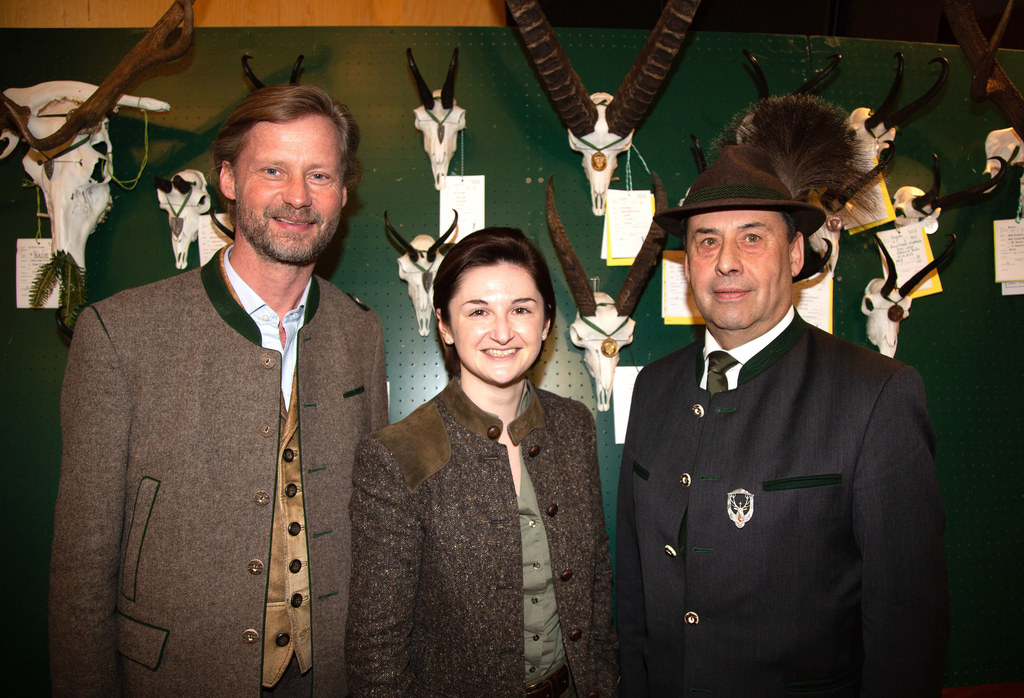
718 363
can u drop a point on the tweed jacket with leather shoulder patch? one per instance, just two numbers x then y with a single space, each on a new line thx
437 583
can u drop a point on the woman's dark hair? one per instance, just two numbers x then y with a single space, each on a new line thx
484 248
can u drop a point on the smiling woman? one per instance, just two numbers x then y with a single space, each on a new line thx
477 521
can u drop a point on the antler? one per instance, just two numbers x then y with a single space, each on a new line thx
990 80
928 202
152 49
646 259
887 115
432 251
579 285
413 252
809 84
561 82
638 88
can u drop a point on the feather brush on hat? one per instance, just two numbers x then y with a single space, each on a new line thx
812 149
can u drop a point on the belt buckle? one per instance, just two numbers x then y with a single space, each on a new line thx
552 686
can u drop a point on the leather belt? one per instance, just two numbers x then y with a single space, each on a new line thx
552 686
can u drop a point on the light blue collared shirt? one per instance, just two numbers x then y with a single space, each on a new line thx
744 352
269 322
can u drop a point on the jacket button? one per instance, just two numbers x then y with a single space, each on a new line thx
553 509
691 618
493 432
534 450
576 634
265 429
267 360
261 498
684 479
290 489
294 566
294 528
255 566
698 411
282 640
567 575
250 637
288 455
670 551
296 600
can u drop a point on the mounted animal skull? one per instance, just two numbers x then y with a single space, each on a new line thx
885 312
73 176
604 326
878 126
186 200
601 125
1004 145
64 124
914 206
417 268
439 118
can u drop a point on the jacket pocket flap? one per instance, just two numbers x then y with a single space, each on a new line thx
141 642
797 483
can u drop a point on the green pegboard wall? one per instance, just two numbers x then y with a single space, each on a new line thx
514 137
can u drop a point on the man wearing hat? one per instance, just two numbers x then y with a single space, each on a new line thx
779 520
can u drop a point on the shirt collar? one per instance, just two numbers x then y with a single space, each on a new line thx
249 299
745 352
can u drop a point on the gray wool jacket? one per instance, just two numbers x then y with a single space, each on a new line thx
170 414
437 583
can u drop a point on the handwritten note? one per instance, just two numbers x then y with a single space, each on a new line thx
627 220
31 254
1009 245
910 250
466 195
678 306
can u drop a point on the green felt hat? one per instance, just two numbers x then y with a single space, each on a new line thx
741 178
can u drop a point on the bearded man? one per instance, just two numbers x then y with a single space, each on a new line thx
201 538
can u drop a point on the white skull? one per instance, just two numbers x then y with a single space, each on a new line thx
75 177
884 316
880 138
600 150
906 214
419 275
440 129
601 346
185 203
1002 143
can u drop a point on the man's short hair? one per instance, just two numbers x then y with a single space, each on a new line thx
280 104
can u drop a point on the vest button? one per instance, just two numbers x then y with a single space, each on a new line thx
294 528
567 575
553 509
493 432
290 489
534 450
255 566
576 634
296 600
288 455
282 640
250 637
261 498
294 566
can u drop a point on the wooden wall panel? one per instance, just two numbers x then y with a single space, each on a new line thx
67 14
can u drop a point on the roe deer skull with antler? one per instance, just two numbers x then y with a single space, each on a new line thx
417 268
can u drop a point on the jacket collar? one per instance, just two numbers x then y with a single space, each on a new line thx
764 359
225 302
466 412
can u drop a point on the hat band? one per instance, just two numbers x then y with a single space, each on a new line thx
735 191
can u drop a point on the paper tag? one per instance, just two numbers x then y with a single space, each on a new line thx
627 220
211 238
32 254
622 398
813 300
465 195
678 306
1009 245
910 251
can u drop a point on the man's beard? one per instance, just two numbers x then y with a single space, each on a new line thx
282 247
